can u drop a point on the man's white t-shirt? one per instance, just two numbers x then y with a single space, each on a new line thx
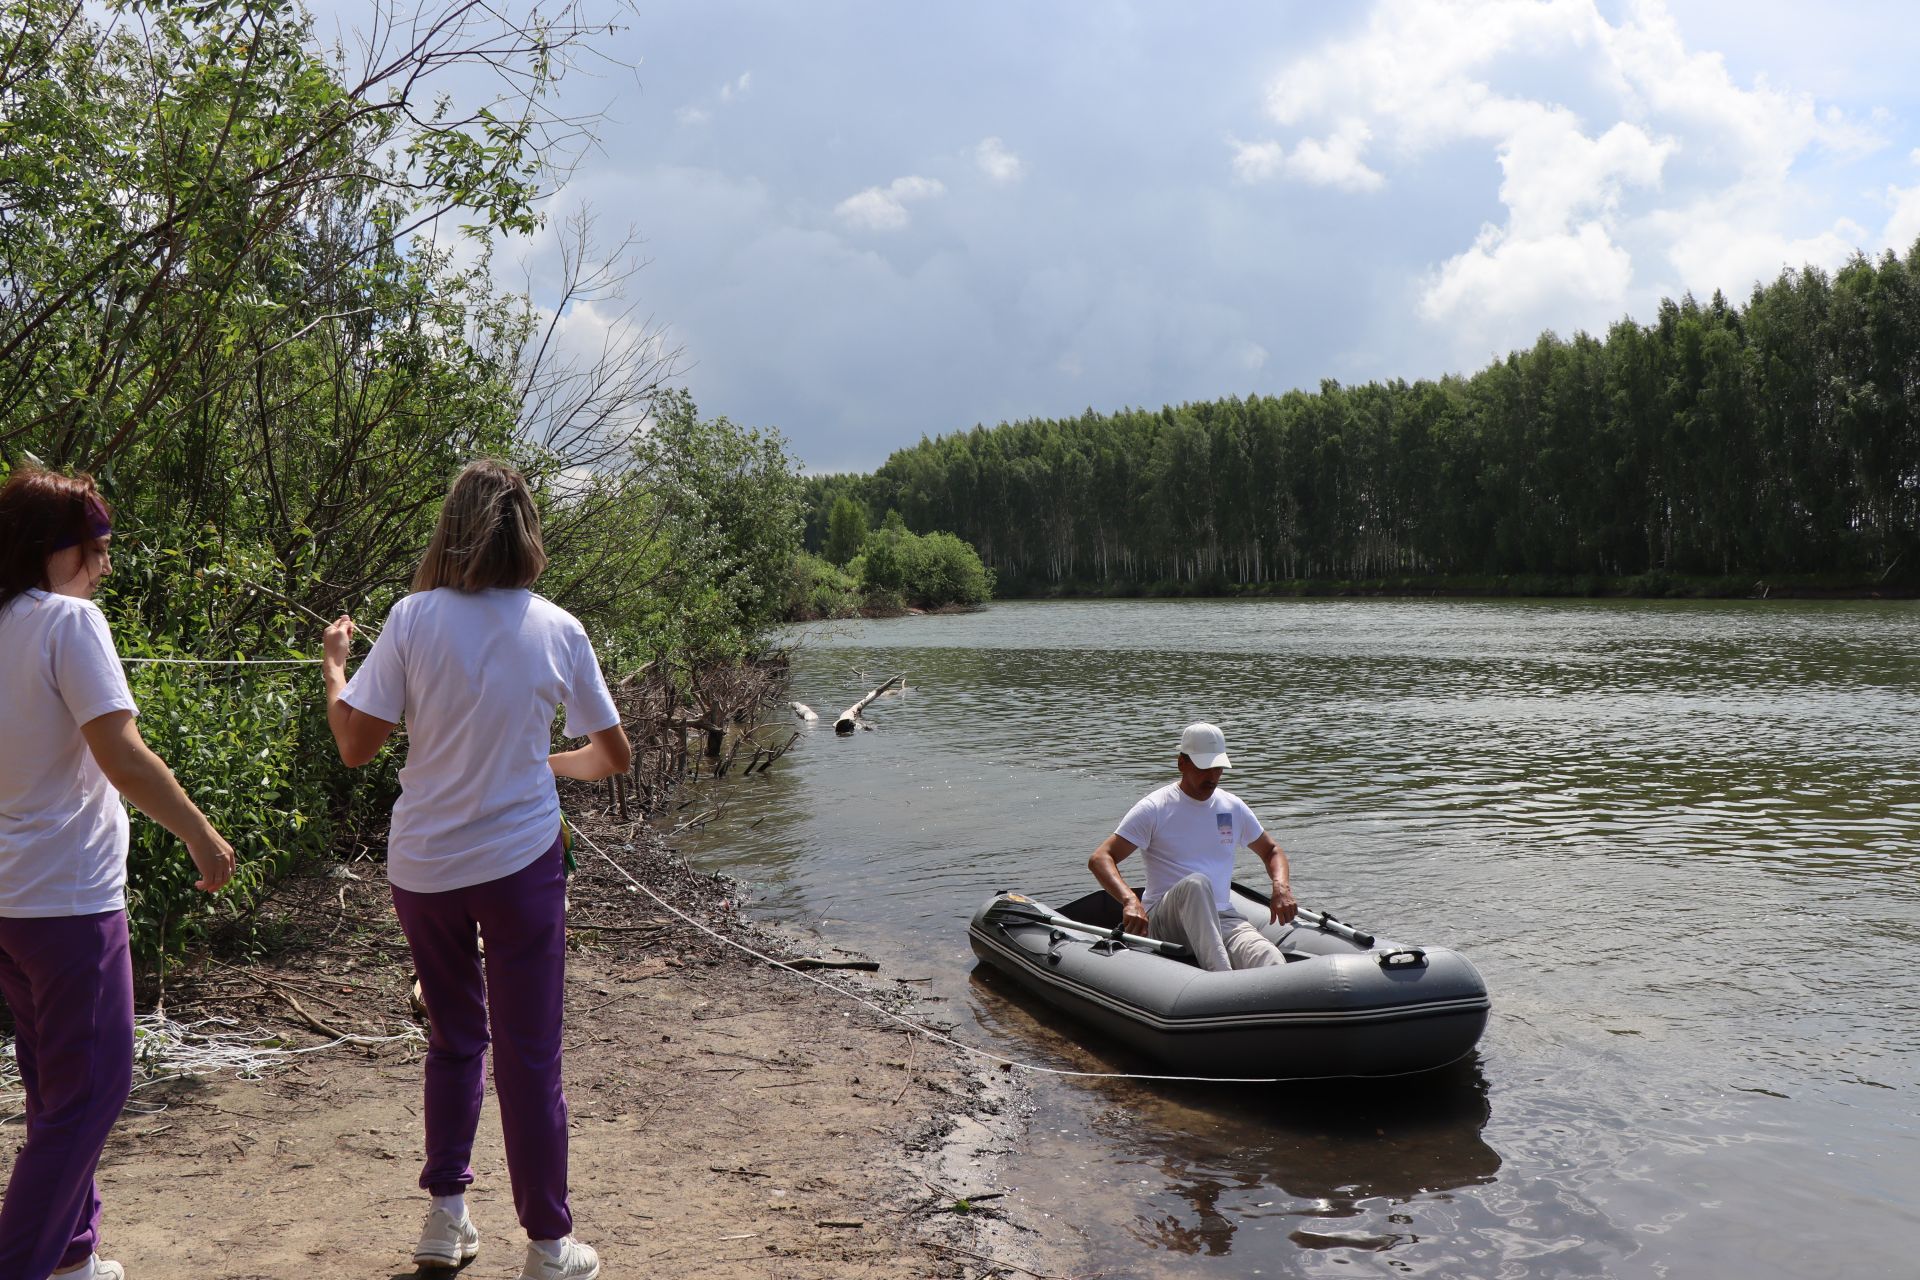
1178 835
476 677
63 830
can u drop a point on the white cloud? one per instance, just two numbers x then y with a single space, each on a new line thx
1903 227
998 163
732 89
1258 161
1642 153
885 208
1250 356
1541 280
1333 161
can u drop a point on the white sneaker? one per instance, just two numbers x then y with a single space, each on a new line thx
576 1261
94 1268
446 1242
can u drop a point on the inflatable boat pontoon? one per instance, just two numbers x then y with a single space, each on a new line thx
1344 1004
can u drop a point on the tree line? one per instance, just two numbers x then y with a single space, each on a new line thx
1776 439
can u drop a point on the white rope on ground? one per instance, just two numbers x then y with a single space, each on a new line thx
924 1030
165 1050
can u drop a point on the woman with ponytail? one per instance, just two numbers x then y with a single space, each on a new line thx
475 663
68 755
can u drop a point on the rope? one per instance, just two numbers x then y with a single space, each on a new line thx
923 1029
230 662
224 1050
166 1050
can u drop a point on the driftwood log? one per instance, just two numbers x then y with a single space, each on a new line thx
850 718
819 962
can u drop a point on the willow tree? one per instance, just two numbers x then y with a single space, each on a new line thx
245 279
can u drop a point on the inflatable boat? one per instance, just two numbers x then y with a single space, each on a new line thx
1345 1004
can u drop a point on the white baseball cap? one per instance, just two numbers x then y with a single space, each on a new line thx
1205 745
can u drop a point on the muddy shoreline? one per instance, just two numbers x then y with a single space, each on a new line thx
729 1118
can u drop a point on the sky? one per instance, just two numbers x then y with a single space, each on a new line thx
862 223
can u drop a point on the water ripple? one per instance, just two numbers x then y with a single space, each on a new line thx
1681 840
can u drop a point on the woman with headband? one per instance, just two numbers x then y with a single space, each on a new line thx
70 752
475 663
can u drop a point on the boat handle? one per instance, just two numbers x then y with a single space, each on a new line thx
1406 958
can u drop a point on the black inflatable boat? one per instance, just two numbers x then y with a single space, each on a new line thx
1344 1004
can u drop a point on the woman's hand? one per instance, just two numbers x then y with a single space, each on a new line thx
358 735
336 643
144 779
215 859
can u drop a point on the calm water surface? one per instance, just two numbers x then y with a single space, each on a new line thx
1679 841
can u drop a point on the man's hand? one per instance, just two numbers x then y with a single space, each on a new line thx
1105 865
1278 870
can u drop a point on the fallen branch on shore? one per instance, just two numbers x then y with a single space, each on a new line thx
850 718
818 962
285 992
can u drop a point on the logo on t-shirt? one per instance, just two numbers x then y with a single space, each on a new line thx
1224 821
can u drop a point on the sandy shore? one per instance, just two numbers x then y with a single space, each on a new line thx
729 1118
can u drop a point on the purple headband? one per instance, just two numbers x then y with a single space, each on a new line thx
99 525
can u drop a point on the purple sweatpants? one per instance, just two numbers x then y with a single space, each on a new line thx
69 982
523 917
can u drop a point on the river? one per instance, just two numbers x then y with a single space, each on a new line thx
1677 838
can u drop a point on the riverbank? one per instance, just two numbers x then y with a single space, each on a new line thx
729 1118
1649 586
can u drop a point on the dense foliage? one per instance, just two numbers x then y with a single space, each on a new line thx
249 288
886 571
1778 439
818 588
928 571
846 531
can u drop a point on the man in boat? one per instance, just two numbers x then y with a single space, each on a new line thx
1186 833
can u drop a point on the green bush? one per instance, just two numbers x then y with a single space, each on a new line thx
928 571
818 590
250 744
942 570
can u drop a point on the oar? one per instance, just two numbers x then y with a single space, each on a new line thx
1038 913
1327 924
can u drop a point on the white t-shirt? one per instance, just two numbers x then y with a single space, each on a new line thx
63 830
476 676
1178 835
